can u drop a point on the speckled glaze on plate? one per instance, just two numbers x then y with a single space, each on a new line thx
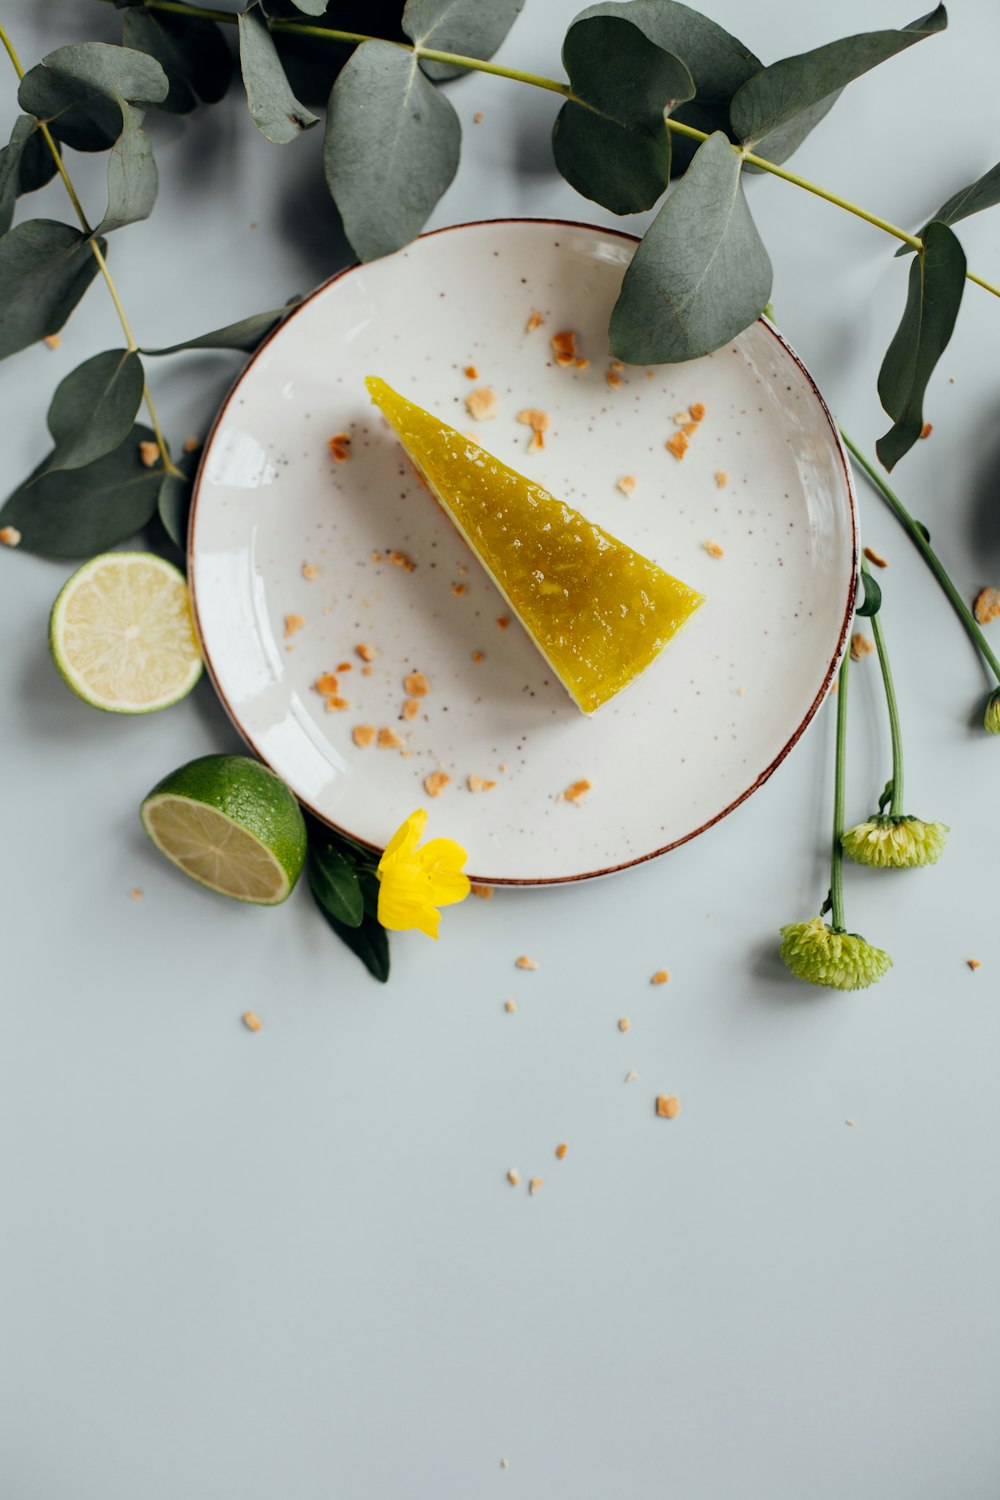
700 729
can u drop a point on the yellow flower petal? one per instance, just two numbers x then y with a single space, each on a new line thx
406 838
414 882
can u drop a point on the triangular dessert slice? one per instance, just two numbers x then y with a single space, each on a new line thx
598 612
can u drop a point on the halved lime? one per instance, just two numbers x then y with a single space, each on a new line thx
230 824
122 633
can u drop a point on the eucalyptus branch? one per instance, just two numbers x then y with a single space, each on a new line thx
895 734
98 255
915 532
837 849
297 28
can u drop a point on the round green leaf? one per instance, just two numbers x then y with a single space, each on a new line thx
93 409
274 109
79 89
469 28
45 268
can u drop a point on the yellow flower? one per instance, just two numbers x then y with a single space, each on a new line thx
895 843
842 960
415 882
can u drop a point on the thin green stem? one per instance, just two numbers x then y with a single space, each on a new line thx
930 557
837 851
895 733
98 255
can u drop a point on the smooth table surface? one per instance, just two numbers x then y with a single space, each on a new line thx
288 1263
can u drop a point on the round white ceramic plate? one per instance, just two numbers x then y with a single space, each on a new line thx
283 532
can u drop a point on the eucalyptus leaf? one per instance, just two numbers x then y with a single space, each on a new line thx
983 193
469 28
10 169
93 409
311 7
937 281
701 274
614 147
718 62
274 109
872 601
132 176
775 110
38 165
335 883
191 51
244 335
45 268
369 941
78 91
173 500
391 148
80 512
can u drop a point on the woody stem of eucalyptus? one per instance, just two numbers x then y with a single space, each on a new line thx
328 34
98 255
837 851
895 733
923 546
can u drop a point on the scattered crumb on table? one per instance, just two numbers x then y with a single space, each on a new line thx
861 646
926 430
660 977
987 605
10 536
974 963
513 1177
251 1020
509 1007
525 963
624 1023
668 1106
149 452
136 893
52 340
484 892
191 444
631 1076
875 557
534 1185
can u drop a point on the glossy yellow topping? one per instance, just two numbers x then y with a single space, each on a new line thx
597 611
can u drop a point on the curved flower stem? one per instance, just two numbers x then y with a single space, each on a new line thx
837 851
98 255
930 557
896 805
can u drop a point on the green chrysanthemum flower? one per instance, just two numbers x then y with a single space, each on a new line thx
991 718
895 843
842 960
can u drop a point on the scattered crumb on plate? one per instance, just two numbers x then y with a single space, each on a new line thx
575 792
363 734
678 445
410 709
416 685
713 549
535 321
503 621
561 1150
388 739
400 560
479 784
470 372
293 624
335 702
435 783
721 478
340 446
482 403
366 652
309 571
627 484
564 347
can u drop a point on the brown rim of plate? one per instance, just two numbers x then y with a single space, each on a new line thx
768 771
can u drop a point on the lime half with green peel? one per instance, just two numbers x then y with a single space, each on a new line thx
123 636
230 824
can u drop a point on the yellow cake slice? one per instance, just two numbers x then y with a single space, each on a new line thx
598 611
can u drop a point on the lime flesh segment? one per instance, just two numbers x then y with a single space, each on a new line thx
123 636
230 824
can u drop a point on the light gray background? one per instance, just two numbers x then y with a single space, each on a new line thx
288 1264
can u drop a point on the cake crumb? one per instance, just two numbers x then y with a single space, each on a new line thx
52 340
513 1177
503 621
416 685
525 963
502 766
435 783
388 739
334 703
689 429
10 536
986 607
848 1122
509 1007
326 683
345 666
678 445
367 671
713 549
482 403
458 589
340 446
477 656
470 372
624 1023
366 652
668 1106
363 735
148 454
974 963
251 1020
626 484
410 709
564 347
581 363
136 893
538 421
873 557
680 417
376 557
479 784
309 571
576 792
661 976
926 430
191 444
861 646
484 892
504 1463
293 624
561 1150
697 411
631 1076
534 1185
535 321
477 119
721 478
400 560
